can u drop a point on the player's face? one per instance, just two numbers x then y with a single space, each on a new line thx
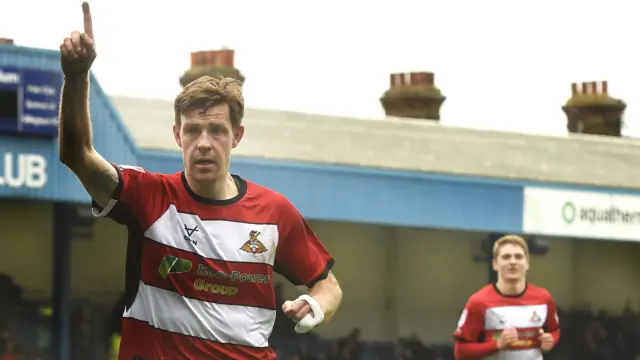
511 263
206 139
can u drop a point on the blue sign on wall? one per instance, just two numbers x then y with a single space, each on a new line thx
29 101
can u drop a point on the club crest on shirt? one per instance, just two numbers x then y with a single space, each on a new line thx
535 318
254 245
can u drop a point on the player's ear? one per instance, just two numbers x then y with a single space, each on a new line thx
495 265
238 133
176 135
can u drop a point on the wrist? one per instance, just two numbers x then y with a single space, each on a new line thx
76 78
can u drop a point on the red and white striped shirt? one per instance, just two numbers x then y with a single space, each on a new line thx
199 271
488 312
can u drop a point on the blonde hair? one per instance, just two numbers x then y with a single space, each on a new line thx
206 92
510 239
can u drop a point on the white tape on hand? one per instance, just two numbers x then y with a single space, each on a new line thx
310 321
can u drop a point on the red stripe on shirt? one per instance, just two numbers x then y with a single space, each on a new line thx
217 281
144 342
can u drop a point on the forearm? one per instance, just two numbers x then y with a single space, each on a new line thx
75 125
98 177
474 351
328 294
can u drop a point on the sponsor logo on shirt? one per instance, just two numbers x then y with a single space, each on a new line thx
189 232
173 265
204 270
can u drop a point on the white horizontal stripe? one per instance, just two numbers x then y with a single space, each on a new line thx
97 213
526 354
230 324
523 316
216 239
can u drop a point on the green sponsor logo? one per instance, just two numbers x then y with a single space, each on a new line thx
569 212
173 265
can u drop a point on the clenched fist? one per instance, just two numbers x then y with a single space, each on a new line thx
296 310
507 338
546 340
79 51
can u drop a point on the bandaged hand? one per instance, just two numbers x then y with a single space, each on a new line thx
305 311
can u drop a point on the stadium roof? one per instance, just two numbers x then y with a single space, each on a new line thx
403 144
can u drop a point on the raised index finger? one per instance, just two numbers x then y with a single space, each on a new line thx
88 24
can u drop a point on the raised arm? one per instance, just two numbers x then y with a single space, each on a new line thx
98 176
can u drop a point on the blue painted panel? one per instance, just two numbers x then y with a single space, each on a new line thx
343 193
110 136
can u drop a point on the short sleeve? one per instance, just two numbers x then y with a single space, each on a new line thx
135 194
553 321
300 257
470 327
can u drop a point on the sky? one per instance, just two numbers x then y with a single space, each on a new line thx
503 65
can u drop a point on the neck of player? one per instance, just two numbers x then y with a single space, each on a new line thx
222 189
511 288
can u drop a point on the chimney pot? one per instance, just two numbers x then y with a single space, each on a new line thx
585 88
574 89
431 79
227 57
211 58
397 80
605 88
594 88
196 58
421 78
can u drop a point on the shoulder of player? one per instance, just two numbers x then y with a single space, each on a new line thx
480 297
279 204
537 291
147 177
141 171
266 195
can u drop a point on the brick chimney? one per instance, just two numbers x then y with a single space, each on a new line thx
413 95
6 41
211 63
591 110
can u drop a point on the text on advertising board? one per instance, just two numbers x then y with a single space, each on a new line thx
581 214
23 170
29 101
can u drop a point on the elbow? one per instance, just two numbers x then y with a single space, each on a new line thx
74 158
68 160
